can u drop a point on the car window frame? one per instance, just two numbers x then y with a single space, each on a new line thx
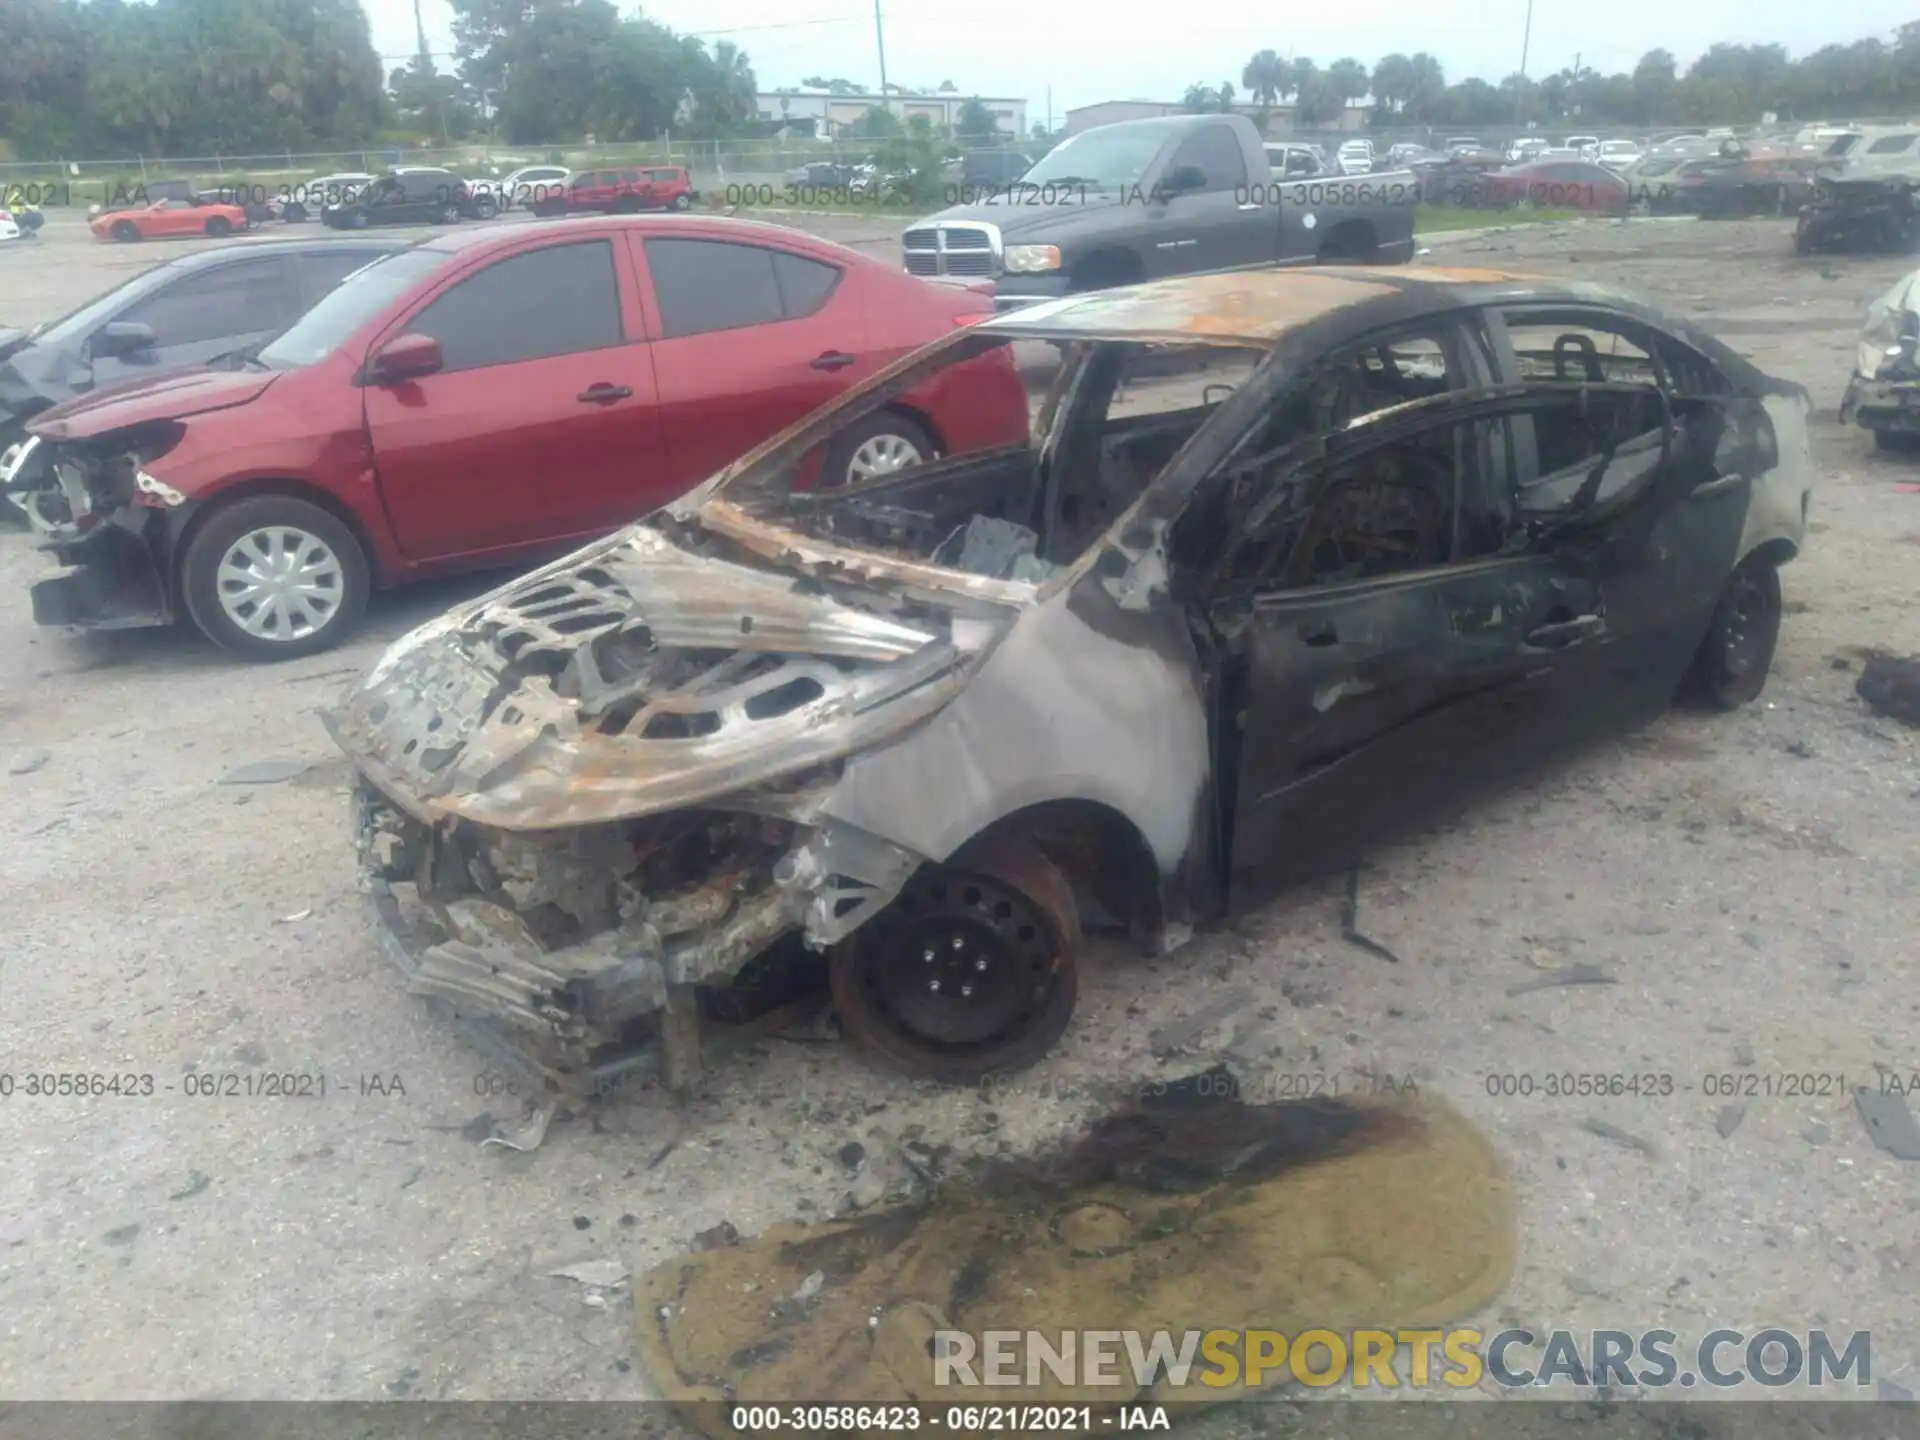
1662 347
448 284
1469 359
289 287
643 245
1204 134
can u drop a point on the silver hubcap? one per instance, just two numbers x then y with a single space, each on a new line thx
882 455
280 583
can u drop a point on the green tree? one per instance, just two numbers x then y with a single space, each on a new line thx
1265 77
974 122
1199 99
1393 82
1349 80
1319 101
441 107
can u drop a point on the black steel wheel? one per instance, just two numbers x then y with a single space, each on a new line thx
969 973
1738 650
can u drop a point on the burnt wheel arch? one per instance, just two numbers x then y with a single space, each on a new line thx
1102 855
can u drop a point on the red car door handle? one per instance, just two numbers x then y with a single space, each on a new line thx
835 360
604 394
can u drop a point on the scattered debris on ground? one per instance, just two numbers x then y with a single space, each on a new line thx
1890 684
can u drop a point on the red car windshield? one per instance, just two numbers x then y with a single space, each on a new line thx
350 305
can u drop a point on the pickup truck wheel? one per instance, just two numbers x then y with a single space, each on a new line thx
1731 667
969 973
272 578
879 445
125 231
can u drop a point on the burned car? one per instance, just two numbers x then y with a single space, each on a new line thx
1873 213
1289 559
1883 396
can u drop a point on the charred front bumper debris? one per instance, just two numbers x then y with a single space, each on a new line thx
589 804
115 529
1860 215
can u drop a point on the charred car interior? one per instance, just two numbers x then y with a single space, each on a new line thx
1288 561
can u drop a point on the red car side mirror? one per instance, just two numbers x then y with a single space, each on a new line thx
406 357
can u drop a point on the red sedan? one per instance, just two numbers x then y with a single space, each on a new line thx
483 397
1555 185
617 192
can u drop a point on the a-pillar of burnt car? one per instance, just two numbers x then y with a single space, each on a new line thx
1292 559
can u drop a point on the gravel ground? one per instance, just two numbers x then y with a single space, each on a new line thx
1746 879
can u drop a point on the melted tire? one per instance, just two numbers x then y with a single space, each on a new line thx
1015 913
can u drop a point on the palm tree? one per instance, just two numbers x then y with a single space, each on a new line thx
1198 99
734 85
1265 77
1349 79
1300 74
1426 81
1392 81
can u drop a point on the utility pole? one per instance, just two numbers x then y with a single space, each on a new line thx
1049 110
1526 40
880 39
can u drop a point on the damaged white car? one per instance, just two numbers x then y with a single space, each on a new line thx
1291 558
1883 396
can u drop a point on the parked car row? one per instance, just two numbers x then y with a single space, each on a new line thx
469 400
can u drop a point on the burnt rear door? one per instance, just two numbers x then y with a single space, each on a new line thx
1634 457
1385 652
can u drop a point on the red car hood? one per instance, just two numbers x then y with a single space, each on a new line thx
172 397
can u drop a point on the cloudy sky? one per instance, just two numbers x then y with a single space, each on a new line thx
1089 50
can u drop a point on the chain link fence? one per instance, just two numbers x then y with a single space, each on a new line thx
712 163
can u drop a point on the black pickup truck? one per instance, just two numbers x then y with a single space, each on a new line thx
1145 199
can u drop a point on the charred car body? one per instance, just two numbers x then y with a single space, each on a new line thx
1291 559
1875 213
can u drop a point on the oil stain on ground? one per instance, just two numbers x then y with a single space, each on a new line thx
1190 1209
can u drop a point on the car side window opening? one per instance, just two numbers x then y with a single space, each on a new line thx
1575 347
1133 408
558 300
703 286
1216 153
231 300
1396 505
1594 445
1359 380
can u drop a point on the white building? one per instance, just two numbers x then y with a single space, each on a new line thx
834 113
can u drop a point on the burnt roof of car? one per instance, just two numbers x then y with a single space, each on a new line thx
1259 306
